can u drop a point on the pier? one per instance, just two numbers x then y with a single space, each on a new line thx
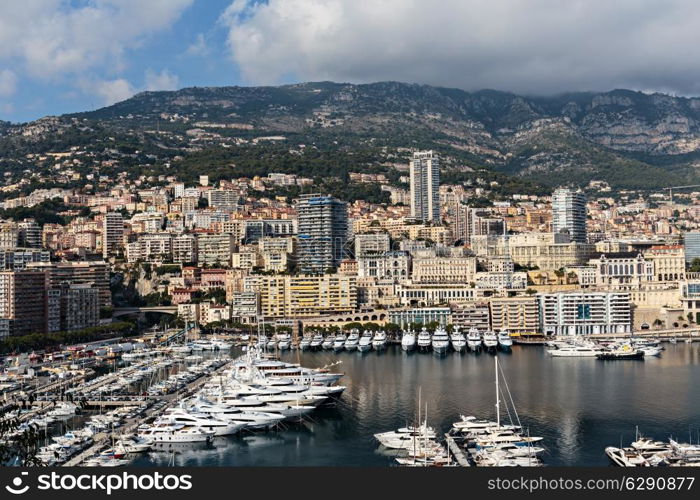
130 426
456 452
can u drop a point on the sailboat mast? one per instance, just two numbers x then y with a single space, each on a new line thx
498 400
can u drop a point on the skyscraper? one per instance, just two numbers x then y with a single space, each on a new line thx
425 184
323 233
691 240
112 233
569 214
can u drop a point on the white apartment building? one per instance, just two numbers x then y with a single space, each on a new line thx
585 313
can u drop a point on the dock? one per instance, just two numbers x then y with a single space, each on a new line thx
456 452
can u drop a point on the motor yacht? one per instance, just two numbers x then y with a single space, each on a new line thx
440 341
473 339
379 340
328 343
167 432
408 340
505 342
424 340
284 341
352 341
365 343
339 342
305 343
204 421
458 340
316 341
490 340
573 350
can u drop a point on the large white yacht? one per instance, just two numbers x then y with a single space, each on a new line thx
490 340
504 340
575 350
167 432
379 340
339 342
458 340
440 341
473 339
352 341
204 421
408 340
365 343
424 340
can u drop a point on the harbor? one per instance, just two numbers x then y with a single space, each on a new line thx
570 409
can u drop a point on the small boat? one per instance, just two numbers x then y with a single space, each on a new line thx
473 339
458 340
689 340
408 340
504 340
365 343
379 340
424 341
674 340
440 341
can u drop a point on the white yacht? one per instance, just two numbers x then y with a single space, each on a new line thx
440 341
504 340
253 419
575 350
203 421
365 343
352 341
458 340
339 342
328 343
284 341
165 432
316 341
132 444
379 340
473 339
305 343
490 340
408 340
424 340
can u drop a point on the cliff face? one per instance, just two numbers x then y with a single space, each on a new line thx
614 136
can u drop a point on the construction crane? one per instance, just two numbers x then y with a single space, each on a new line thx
670 190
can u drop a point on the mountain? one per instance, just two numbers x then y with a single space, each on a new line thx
629 139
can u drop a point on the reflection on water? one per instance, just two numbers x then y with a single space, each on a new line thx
579 405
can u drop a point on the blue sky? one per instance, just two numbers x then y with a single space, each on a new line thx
59 56
191 51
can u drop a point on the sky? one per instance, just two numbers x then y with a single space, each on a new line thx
60 56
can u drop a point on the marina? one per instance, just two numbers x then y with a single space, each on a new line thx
203 405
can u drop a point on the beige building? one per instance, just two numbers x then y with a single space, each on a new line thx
300 296
515 314
439 270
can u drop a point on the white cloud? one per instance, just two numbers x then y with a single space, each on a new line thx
57 37
537 46
109 91
198 48
8 83
164 80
